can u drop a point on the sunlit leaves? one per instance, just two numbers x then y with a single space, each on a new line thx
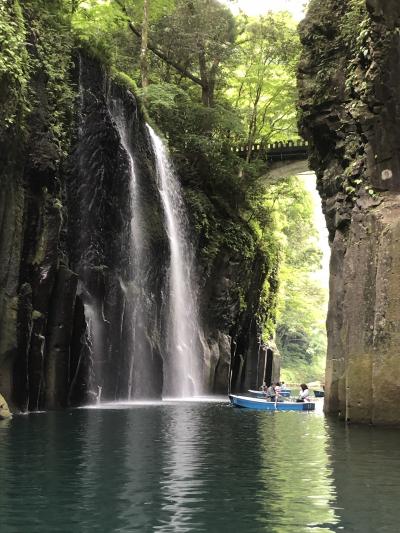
262 83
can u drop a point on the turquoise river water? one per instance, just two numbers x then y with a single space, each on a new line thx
195 467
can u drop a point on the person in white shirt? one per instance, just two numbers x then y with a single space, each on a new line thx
304 393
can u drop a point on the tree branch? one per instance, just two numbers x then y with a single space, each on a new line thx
160 54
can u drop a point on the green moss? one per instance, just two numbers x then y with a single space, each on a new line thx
52 59
93 50
124 80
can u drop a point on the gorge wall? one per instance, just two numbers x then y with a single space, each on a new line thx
349 78
65 216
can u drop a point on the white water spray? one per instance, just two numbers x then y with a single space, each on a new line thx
182 364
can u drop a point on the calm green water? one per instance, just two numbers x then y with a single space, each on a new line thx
195 467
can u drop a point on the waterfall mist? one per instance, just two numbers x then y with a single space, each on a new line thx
182 362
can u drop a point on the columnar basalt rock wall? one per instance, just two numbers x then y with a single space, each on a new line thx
349 77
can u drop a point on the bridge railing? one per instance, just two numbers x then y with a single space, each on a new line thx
277 151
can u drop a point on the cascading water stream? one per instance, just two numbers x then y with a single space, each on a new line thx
138 372
182 368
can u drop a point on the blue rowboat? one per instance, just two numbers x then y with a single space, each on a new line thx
263 405
319 393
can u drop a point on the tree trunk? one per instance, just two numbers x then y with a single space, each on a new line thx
208 78
144 64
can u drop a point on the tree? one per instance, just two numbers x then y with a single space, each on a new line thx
262 81
193 39
302 301
144 67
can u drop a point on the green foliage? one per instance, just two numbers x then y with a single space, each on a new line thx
100 27
305 372
261 82
356 16
37 53
126 81
302 305
162 98
217 231
49 25
202 27
157 9
14 65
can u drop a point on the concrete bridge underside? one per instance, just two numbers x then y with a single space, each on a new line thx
282 169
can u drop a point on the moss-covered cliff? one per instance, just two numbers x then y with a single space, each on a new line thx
64 221
349 100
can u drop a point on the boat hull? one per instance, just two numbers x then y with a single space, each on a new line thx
263 405
319 393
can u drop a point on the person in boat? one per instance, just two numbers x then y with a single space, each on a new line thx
270 393
304 393
278 390
263 387
283 386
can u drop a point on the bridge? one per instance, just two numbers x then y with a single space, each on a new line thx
283 158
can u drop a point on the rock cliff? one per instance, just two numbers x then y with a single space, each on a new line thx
348 77
64 226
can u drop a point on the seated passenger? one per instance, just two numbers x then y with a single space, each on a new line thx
263 387
304 393
270 393
278 389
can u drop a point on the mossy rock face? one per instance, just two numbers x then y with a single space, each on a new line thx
4 410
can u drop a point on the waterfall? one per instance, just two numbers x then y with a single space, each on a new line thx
93 340
139 372
182 373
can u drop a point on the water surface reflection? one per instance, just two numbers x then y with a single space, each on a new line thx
195 467
365 463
